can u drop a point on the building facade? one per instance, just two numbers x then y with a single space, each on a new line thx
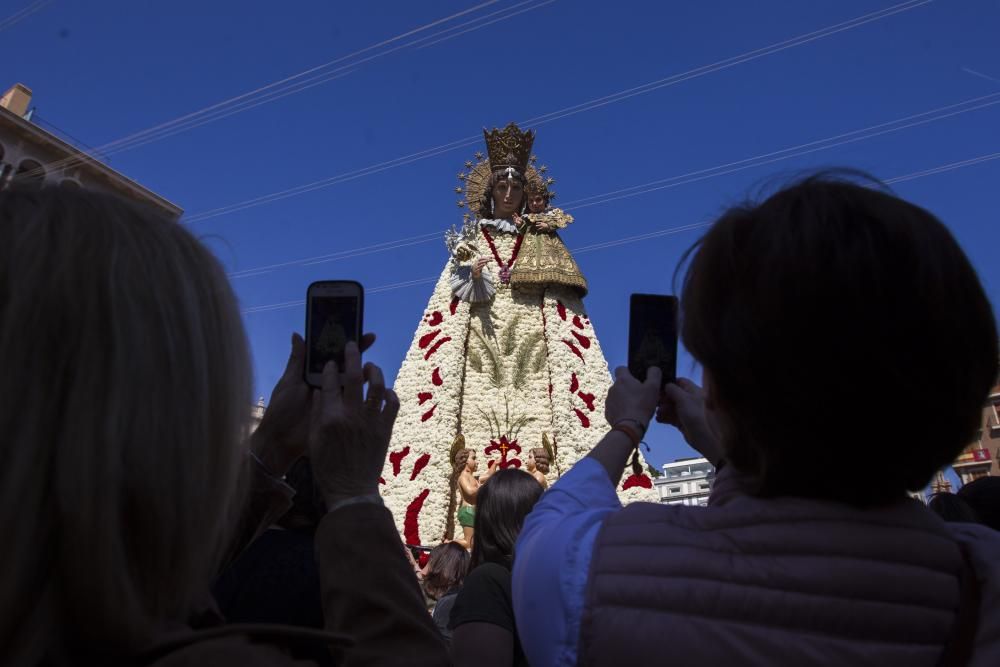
979 459
30 154
686 482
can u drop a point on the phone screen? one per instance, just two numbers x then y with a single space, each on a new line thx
333 321
652 335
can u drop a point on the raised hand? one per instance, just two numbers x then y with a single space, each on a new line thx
283 434
682 405
349 432
630 399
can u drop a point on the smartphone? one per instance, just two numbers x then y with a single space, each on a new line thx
652 335
334 310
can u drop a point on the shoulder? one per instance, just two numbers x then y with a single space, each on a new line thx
487 575
228 650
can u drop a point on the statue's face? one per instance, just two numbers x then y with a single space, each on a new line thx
472 463
537 203
507 196
531 459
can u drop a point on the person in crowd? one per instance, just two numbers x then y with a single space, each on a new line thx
819 316
951 507
484 633
442 579
983 496
124 404
276 578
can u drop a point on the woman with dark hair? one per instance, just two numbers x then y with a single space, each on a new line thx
483 614
950 507
442 579
819 316
983 496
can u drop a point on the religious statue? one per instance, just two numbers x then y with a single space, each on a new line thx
505 358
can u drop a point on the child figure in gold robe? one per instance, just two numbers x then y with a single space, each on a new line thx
544 258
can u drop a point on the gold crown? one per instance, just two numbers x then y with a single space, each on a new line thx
509 147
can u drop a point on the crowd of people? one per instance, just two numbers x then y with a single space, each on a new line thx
146 528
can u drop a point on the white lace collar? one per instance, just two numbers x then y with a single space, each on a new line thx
499 225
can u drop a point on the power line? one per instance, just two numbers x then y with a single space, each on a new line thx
282 89
762 159
24 13
641 237
564 112
304 80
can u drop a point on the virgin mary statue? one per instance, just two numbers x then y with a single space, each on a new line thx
505 358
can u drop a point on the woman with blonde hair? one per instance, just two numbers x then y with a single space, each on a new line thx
124 404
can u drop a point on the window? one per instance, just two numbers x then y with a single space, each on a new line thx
30 172
674 489
703 486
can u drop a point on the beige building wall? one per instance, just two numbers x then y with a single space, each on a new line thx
31 154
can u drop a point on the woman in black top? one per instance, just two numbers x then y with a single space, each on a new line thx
482 618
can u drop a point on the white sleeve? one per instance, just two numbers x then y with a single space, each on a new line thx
473 290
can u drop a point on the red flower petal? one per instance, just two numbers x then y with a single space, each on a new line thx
426 339
642 480
576 322
423 397
588 399
583 340
561 309
396 459
436 318
574 384
436 346
454 305
584 419
411 524
430 413
575 349
436 378
419 465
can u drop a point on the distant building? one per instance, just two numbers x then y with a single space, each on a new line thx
979 458
32 154
686 482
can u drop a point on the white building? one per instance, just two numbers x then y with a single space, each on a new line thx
686 482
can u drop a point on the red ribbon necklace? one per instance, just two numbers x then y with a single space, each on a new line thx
504 268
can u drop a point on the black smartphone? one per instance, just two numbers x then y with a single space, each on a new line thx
652 335
334 314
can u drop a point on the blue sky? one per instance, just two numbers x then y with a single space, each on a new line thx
106 70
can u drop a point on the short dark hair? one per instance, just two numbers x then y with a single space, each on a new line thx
502 503
446 569
983 495
839 323
952 508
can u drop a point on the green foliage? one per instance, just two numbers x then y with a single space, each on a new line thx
494 368
653 472
523 359
539 360
509 336
475 360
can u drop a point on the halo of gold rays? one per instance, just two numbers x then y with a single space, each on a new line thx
475 179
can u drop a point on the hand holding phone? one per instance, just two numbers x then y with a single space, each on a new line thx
652 336
334 314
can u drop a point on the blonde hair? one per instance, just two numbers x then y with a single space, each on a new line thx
124 398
